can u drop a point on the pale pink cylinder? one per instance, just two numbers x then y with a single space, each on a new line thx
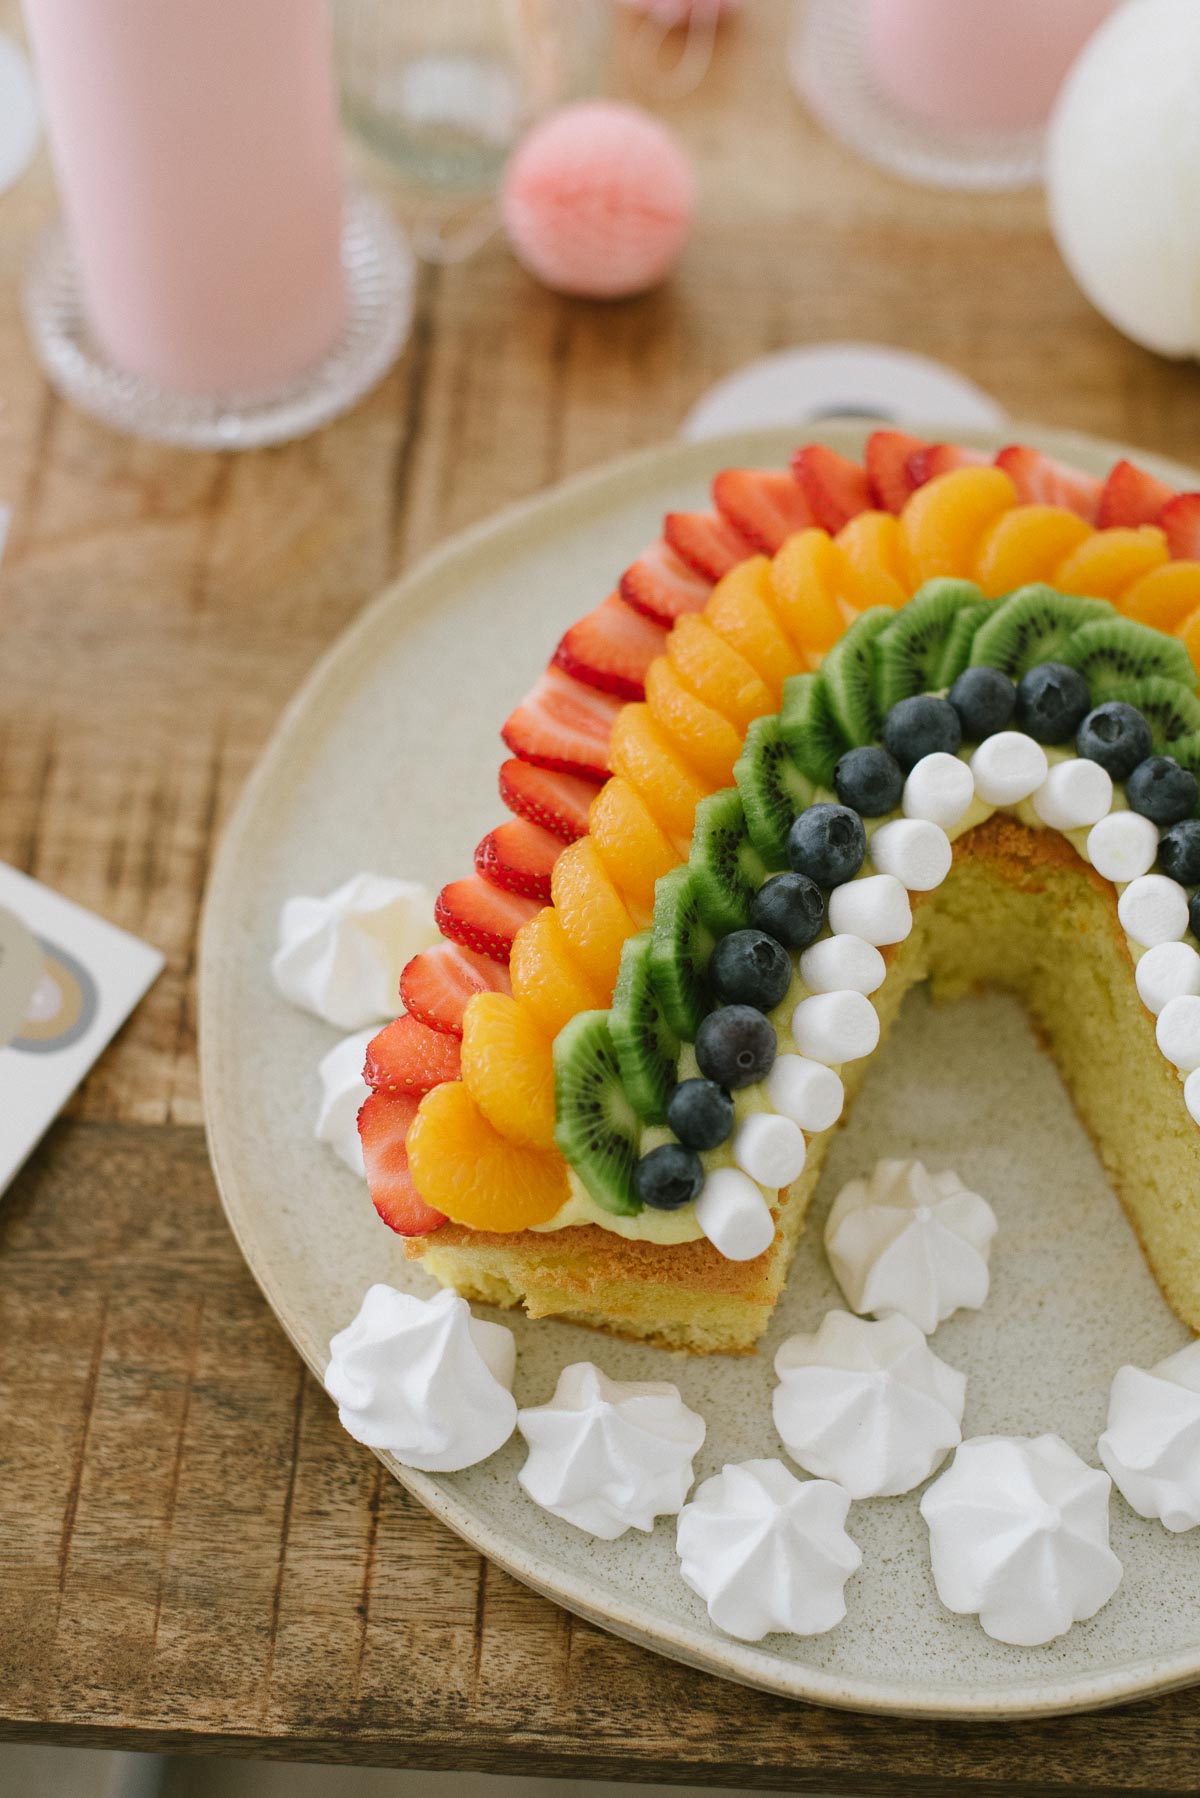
197 153
988 65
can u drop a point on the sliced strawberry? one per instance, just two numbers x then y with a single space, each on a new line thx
408 1057
561 723
558 802
520 857
706 542
1130 496
662 586
1041 481
482 917
383 1126
766 505
612 648
887 457
1180 519
438 984
941 458
836 488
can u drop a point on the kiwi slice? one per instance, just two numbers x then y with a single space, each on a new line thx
727 867
647 1048
848 672
773 790
680 945
809 728
909 651
597 1128
1032 625
960 640
1110 652
1170 709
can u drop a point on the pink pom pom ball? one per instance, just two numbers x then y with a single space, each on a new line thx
598 199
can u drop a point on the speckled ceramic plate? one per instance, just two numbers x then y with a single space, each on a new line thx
387 761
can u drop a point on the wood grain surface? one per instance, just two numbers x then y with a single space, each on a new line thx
192 1554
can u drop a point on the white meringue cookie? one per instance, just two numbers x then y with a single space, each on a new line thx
609 1455
1191 1095
770 1148
1153 910
734 1215
1178 1032
917 853
1122 846
341 957
344 1092
767 1552
911 1243
808 1092
842 964
836 1027
1074 794
1152 1444
939 788
1008 768
1167 971
874 907
1018 1530
867 1404
424 1379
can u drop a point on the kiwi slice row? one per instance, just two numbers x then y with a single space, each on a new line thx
774 790
596 1127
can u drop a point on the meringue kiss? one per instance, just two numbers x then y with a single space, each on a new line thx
1152 1444
341 957
424 1380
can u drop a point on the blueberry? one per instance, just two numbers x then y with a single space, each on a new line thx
701 1114
920 726
668 1177
735 1046
1179 852
1115 735
1161 790
791 908
748 967
1194 914
828 843
1051 702
869 780
985 701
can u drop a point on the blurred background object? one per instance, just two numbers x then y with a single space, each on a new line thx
20 124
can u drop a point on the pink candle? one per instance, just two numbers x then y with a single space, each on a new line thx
991 65
197 155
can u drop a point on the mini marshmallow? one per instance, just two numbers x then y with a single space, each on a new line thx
939 789
1168 971
842 964
1178 1032
1153 910
770 1149
734 1215
915 851
836 1027
1191 1094
1123 846
809 1093
874 907
1074 794
1008 767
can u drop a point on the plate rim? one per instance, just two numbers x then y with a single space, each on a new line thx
696 1646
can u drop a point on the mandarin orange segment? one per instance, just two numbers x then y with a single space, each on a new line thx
740 611
1108 562
508 1068
1189 636
872 553
806 577
461 1165
708 741
546 977
1027 544
641 751
594 917
1165 598
634 850
943 522
717 673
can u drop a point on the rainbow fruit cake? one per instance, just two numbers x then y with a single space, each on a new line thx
934 717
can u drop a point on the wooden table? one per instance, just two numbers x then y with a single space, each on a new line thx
192 1554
